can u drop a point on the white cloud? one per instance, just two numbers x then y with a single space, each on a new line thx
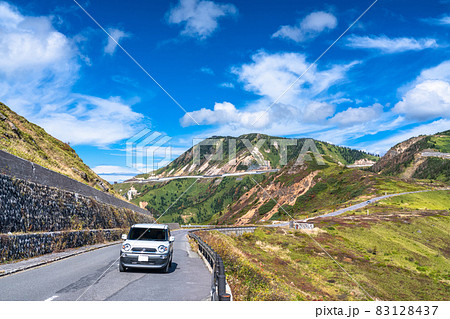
310 27
113 174
93 121
117 35
439 72
317 111
444 20
199 16
268 76
358 115
427 100
388 45
428 96
111 169
38 68
225 113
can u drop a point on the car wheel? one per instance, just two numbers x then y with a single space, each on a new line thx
166 268
122 268
170 262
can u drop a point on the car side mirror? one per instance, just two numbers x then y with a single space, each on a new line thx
171 239
124 236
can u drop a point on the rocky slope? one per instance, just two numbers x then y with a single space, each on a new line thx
305 190
302 190
215 155
423 157
29 141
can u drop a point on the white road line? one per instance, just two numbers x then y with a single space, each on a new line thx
51 298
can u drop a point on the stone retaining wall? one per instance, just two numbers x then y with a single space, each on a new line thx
19 168
20 246
30 207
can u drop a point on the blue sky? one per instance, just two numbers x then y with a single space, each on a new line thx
225 63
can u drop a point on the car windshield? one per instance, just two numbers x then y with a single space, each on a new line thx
147 234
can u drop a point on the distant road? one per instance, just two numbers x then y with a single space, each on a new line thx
369 201
356 206
67 279
435 154
164 179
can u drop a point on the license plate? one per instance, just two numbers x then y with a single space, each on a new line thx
142 258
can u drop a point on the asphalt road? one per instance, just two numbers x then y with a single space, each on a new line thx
165 179
68 279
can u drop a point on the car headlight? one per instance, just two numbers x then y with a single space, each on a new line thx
162 249
126 247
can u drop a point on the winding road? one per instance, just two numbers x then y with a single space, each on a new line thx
165 179
95 276
356 206
370 201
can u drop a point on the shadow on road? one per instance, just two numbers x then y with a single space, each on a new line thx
143 270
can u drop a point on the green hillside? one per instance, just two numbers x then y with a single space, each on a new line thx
306 190
199 202
29 141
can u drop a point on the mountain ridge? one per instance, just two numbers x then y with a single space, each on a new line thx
418 157
220 155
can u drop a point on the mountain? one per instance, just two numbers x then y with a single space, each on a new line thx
303 190
214 156
306 189
421 157
29 141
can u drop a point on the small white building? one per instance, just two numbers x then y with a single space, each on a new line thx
131 193
300 225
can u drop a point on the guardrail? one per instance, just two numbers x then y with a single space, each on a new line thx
218 280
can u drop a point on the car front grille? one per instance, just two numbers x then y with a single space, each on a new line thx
143 250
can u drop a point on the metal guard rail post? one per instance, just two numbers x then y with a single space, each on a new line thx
218 280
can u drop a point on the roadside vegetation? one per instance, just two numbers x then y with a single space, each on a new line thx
393 256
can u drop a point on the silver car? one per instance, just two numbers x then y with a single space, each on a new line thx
147 246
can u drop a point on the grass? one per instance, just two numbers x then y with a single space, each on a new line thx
393 259
435 200
440 143
337 187
31 142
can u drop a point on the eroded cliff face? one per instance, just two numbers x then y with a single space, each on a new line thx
399 157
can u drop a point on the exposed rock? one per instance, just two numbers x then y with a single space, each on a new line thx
80 173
